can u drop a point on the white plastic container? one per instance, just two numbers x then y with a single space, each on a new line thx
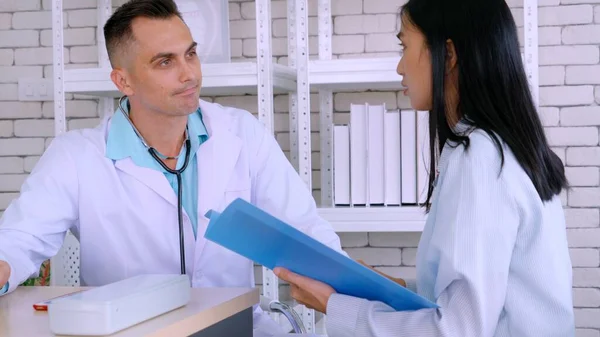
117 306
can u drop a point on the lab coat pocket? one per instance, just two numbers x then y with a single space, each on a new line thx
230 196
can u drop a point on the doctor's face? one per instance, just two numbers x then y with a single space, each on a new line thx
162 68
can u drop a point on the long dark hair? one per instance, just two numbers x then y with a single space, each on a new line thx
494 93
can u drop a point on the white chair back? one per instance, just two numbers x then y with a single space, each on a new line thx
64 267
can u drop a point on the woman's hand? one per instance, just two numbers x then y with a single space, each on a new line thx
397 280
311 293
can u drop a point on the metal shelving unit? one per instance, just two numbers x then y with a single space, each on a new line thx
220 79
264 78
356 74
375 219
379 74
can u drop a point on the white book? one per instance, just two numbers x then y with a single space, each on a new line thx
341 165
423 155
375 155
392 160
408 129
358 154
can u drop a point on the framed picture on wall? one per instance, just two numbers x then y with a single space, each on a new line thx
208 21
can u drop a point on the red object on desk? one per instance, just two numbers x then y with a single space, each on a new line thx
43 306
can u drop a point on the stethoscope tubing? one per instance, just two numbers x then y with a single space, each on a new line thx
177 173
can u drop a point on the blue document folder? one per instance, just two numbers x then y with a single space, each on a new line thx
266 240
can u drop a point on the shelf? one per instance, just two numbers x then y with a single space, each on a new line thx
375 219
236 78
356 74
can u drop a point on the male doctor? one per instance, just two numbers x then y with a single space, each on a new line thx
105 186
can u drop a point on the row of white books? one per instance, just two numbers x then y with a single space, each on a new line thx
381 157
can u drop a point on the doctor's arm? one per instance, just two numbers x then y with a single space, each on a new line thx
33 227
278 189
475 234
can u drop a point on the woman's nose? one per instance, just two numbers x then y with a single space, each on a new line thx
400 67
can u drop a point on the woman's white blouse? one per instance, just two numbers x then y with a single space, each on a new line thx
492 255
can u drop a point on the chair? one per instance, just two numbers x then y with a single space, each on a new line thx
64 271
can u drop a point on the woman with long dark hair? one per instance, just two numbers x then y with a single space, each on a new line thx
493 254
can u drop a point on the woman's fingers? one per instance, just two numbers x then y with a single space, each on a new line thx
309 292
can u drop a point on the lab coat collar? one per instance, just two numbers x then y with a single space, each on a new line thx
218 156
122 141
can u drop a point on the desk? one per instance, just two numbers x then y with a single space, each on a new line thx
210 312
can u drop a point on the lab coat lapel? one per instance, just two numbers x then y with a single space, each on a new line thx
153 179
217 158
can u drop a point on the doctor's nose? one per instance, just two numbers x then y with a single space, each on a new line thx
187 72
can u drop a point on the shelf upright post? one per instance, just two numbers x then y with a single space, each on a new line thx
326 107
106 105
303 85
531 47
60 123
303 116
293 96
325 110
264 62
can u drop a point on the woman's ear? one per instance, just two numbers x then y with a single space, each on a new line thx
450 56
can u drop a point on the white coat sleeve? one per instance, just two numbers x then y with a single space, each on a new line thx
34 225
475 231
279 190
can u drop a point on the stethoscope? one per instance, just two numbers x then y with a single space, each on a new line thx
157 156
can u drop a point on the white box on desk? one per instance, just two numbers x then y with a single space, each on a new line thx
113 307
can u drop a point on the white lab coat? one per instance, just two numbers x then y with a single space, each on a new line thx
125 216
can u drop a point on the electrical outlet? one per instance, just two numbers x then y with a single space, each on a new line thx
36 89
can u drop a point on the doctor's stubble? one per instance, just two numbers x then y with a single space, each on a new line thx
154 58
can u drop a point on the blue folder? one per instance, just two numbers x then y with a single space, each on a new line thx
266 240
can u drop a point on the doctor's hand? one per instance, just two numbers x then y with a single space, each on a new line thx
397 280
4 273
311 293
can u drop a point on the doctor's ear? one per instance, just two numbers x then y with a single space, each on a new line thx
120 79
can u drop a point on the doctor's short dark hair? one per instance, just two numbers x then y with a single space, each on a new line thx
117 30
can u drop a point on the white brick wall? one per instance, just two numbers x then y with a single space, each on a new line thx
569 75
